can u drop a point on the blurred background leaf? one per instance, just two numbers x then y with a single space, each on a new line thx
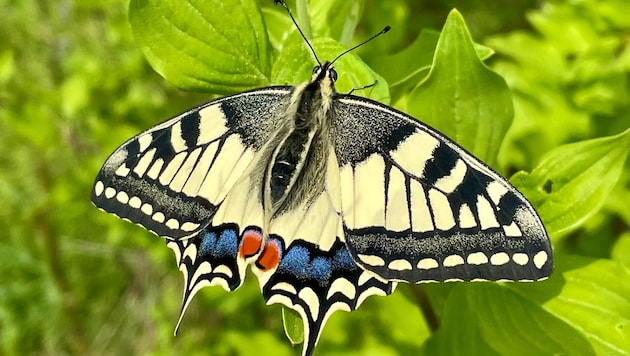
74 84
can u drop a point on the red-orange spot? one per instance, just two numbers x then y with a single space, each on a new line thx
270 256
250 245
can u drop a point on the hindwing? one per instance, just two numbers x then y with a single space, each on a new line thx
418 207
316 274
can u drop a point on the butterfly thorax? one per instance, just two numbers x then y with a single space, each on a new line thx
295 169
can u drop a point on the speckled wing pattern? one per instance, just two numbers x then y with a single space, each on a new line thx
419 208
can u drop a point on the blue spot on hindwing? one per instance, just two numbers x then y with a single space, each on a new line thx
227 244
320 269
343 260
208 242
295 262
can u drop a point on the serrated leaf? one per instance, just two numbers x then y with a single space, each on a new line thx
295 65
293 325
200 45
461 97
572 181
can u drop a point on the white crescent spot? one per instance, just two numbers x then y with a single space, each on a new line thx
499 259
540 259
122 197
99 188
520 259
477 258
371 260
427 263
453 260
400 265
110 192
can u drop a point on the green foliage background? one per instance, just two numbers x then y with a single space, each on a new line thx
74 84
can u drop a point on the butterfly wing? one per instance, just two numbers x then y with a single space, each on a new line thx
172 178
418 207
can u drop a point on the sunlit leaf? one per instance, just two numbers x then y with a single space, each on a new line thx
196 46
461 97
293 325
572 181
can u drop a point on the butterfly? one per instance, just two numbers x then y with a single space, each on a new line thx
328 198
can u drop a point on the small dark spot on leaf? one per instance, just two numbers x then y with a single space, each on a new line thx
548 186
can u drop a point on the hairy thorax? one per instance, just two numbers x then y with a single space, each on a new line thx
294 170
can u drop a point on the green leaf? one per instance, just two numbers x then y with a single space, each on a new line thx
7 65
591 296
400 67
572 181
75 92
246 342
335 19
293 325
200 45
621 250
498 321
295 64
462 97
582 310
279 25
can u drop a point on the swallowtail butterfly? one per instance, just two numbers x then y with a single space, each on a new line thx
328 197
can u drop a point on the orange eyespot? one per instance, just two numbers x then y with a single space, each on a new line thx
270 256
251 243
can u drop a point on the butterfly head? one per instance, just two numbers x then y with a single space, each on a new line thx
324 73
324 78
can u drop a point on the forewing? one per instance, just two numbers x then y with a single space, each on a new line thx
171 178
418 207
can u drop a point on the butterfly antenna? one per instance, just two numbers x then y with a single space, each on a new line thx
298 27
383 31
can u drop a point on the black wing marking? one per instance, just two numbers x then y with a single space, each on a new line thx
171 178
316 283
313 279
215 255
418 207
306 266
